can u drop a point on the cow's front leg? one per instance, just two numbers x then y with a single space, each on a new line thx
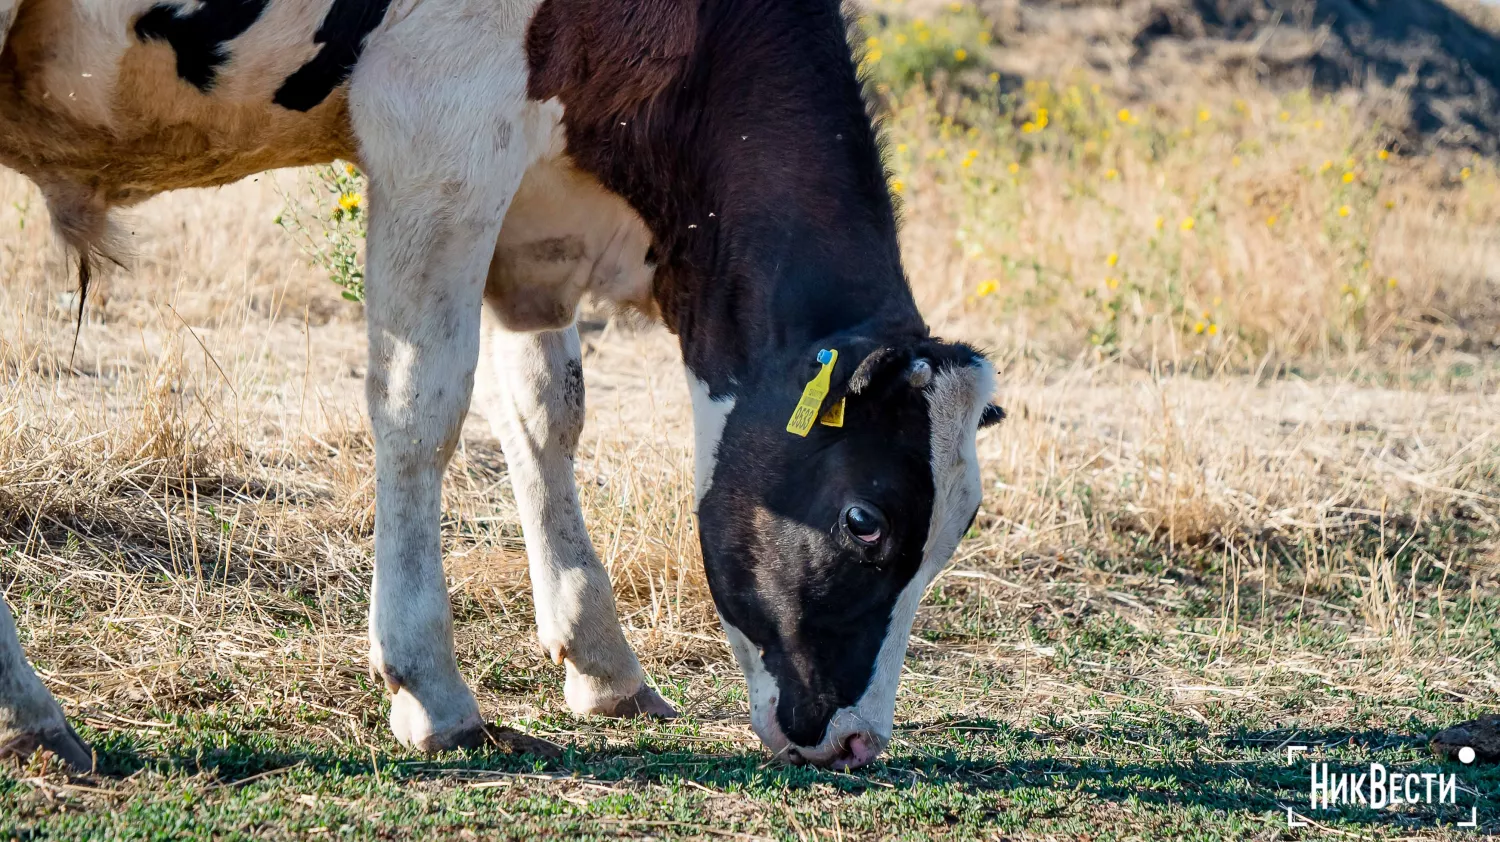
437 104
531 389
29 717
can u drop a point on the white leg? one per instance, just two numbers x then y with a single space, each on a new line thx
437 105
531 389
29 716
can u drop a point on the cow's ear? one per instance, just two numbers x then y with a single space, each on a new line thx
874 367
992 415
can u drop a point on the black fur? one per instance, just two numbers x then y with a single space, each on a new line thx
199 38
342 34
736 129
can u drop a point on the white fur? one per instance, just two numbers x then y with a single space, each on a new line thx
444 144
761 687
709 417
566 236
535 407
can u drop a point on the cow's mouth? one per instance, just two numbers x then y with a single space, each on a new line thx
842 755
848 743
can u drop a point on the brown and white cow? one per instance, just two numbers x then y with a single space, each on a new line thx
710 162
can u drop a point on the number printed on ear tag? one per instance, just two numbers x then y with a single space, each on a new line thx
812 395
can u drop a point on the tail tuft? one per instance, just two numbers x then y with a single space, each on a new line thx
80 215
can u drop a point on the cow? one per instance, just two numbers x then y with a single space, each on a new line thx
711 163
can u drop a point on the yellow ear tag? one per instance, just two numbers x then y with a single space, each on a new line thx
834 417
812 395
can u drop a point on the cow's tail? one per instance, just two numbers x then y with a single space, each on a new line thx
80 215
8 10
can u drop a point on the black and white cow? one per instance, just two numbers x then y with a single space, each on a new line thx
710 162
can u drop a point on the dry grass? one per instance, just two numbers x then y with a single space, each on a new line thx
1178 527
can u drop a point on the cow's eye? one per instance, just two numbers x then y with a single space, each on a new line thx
865 523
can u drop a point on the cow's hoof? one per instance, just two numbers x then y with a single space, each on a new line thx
61 740
439 724
643 702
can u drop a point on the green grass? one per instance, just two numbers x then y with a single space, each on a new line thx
1117 761
1135 774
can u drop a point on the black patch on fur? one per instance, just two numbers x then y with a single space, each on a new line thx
342 35
199 38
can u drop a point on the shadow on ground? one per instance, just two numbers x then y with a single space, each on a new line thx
1244 774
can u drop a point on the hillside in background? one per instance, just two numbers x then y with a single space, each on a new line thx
1429 70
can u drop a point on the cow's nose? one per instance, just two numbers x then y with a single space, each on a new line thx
856 750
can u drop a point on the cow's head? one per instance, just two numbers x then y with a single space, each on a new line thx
818 548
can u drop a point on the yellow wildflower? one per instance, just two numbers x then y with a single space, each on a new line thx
1160 222
1317 125
1463 174
1348 178
1199 327
1390 283
1113 259
1284 116
1187 224
349 168
987 288
994 78
350 201
1271 221
1327 165
984 37
1204 116
1235 161
960 54
1112 283
1213 329
1390 203
900 39
955 7
1014 168
898 186
901 147
1383 154
1028 127
872 41
874 56
1111 174
1349 163
1124 115
1343 210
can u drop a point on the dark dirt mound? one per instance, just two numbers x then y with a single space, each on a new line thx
1434 72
